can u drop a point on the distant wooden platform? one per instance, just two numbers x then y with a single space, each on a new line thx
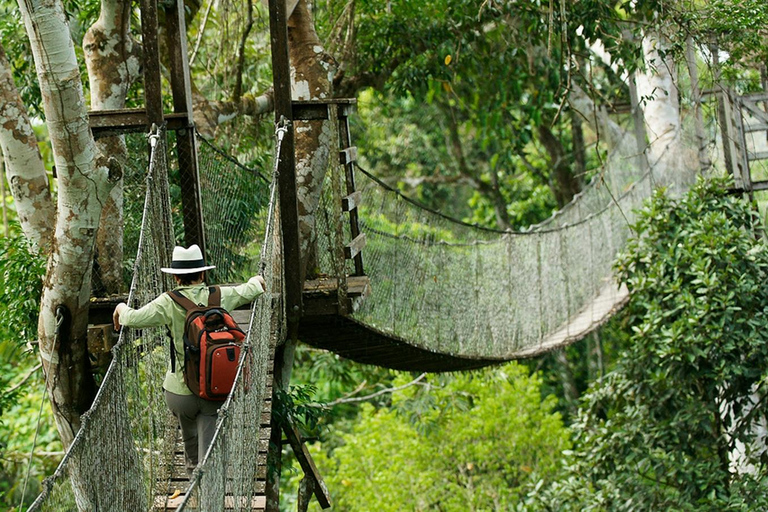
321 295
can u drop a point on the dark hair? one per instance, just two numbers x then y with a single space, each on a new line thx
188 279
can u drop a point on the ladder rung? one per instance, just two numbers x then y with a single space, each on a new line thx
756 128
352 201
354 247
347 156
760 155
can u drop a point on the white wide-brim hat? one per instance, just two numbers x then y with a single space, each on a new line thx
187 261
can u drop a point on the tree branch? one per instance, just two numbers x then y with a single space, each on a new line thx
346 400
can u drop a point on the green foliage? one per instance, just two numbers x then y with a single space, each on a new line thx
452 442
658 433
739 27
21 386
21 429
21 274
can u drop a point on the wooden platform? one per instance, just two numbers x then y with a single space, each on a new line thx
180 480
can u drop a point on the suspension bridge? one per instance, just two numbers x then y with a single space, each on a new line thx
395 284
435 295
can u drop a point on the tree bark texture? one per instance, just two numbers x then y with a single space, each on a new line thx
84 182
313 70
24 165
565 184
113 62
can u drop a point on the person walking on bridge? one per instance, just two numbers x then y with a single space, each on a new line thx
196 416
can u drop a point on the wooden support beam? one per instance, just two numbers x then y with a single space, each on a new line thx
105 123
317 110
307 465
289 213
321 297
186 145
355 246
348 156
352 201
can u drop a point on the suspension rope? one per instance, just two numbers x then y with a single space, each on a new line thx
532 230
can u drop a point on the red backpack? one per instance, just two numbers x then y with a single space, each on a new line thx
212 343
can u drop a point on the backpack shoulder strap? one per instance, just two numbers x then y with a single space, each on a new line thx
214 296
182 301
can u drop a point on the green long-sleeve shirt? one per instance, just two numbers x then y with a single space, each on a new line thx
164 311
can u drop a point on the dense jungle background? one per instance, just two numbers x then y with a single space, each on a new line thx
464 107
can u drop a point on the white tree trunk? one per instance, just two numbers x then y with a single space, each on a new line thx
657 88
83 187
23 163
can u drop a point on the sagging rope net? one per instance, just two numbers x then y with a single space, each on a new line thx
481 294
126 454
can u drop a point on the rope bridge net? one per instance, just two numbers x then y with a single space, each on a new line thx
123 456
480 294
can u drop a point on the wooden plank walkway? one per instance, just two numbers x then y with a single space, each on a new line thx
179 480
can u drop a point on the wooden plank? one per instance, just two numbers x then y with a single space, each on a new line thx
307 464
348 156
356 285
317 110
758 185
166 503
105 123
181 84
760 155
754 110
355 246
756 97
352 201
756 128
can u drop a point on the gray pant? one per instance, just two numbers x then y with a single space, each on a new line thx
197 418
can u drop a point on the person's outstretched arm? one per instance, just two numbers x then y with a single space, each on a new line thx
154 314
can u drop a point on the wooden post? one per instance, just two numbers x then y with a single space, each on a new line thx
153 95
693 72
289 212
725 116
345 140
186 147
289 221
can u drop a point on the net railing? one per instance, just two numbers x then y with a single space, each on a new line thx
123 456
475 293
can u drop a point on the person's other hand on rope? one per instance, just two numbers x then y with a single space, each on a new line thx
262 282
116 315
